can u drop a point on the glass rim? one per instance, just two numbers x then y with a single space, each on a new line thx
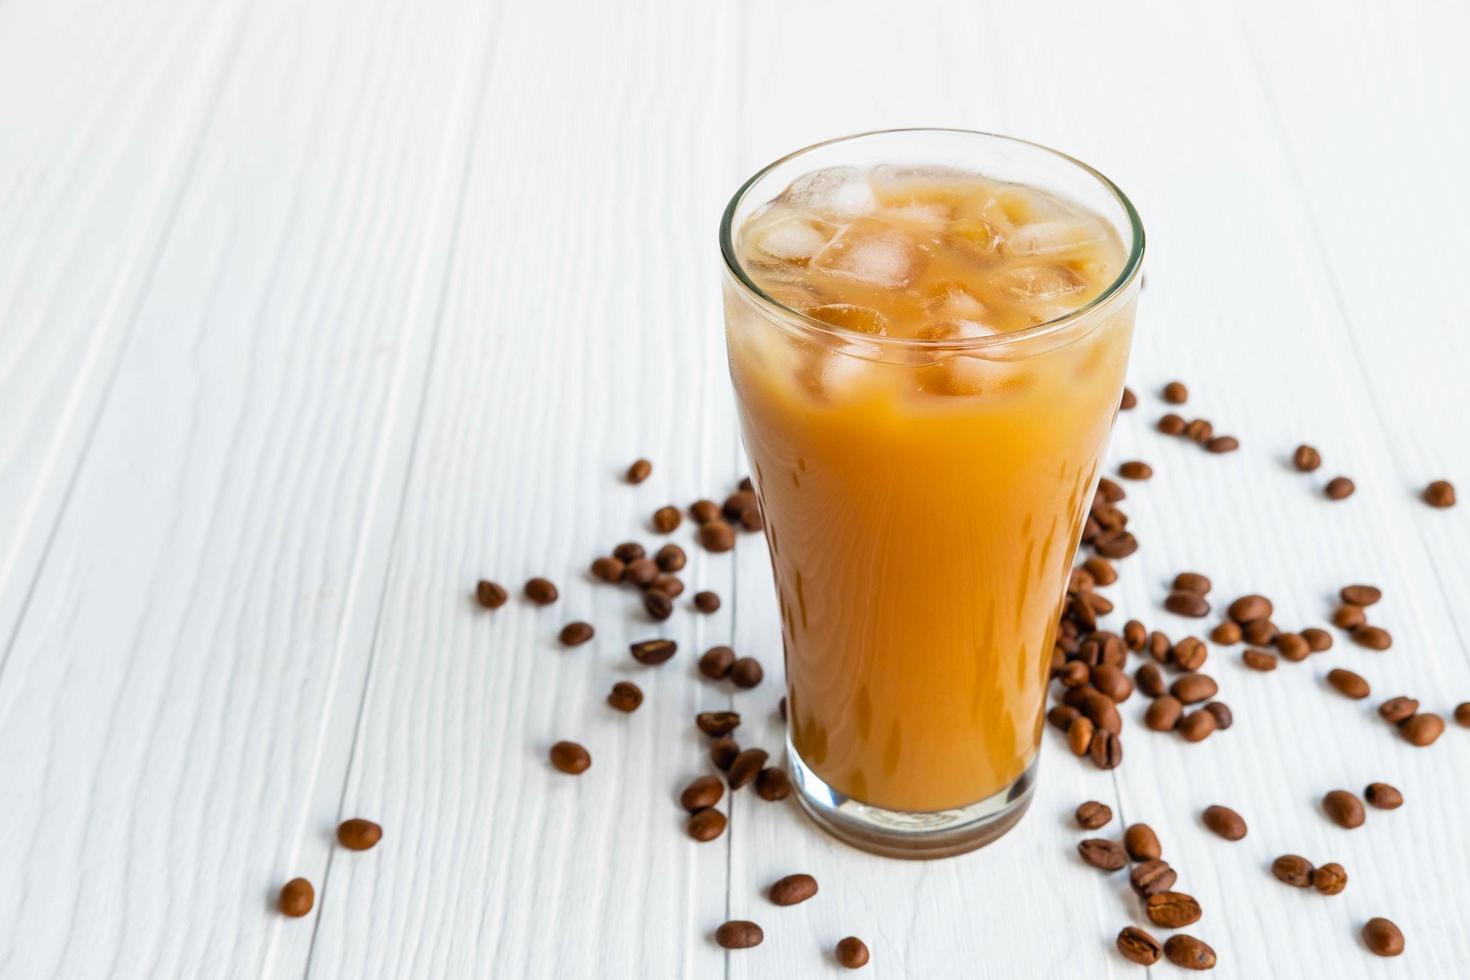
1124 278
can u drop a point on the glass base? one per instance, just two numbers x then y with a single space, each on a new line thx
916 836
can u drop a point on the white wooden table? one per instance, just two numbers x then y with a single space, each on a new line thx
313 312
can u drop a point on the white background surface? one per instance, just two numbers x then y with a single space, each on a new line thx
312 313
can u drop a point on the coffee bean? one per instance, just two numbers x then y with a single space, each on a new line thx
1422 729
1198 726
609 569
705 825
1330 879
1372 637
703 792
1397 710
1112 681
1128 401
1249 607
1099 852
1199 431
739 934
1150 680
716 536
1339 488
641 572
1190 653
297 898
1134 635
722 752
704 511
747 766
1135 469
570 758
1141 843
1175 393
716 663
1258 659
1171 910
1187 604
1225 822
1440 493
1171 425
852 953
1159 647
1348 617
1194 688
670 585
1318 640
653 652
666 519
1191 582
736 504
1462 714
1224 718
1163 714
670 558
1062 715
1227 633
1189 953
772 784
358 834
1079 736
1115 544
625 696
1151 877
1101 570
717 723
1259 632
1106 749
639 471
1074 674
1360 595
1092 815
657 604
541 591
1383 796
1110 491
575 634
629 552
1306 458
1080 580
706 602
1382 937
1139 947
1293 869
1100 708
793 889
1344 809
1222 444
1293 647
746 672
489 594
746 484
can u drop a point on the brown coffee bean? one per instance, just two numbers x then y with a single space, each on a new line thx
1134 635
1106 749
772 784
1397 710
1348 617
706 602
358 834
1135 469
1101 571
1318 640
1293 647
1062 715
1372 637
716 536
670 585
666 519
1249 607
703 792
1128 401
722 752
653 652
1171 425
736 503
1198 726
1074 673
1111 680
641 572
1092 815
1175 393
670 558
746 672
705 825
1222 444
1224 822
1171 910
739 934
1344 809
1163 714
489 594
575 634
1383 796
570 758
1139 947
1293 869
1187 604
639 471
1190 653
297 897
1440 493
1306 458
1422 729
1258 659
747 765
1382 937
717 723
1110 491
1224 718
1259 632
629 552
541 591
1330 879
657 604
704 511
1102 709
1108 855
1190 953
1194 688
1151 877
793 889
1141 843
1199 431
1191 582
1339 488
1227 633
716 663
609 569
1115 544
1360 595
1462 714
1150 680
1079 736
625 696
1080 580
1159 647
852 953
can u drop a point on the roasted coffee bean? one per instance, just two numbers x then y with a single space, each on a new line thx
1141 843
1258 659
1190 653
716 663
1090 531
703 792
1330 879
541 591
722 752
739 934
1344 809
1190 953
625 696
1293 869
704 511
1115 544
1349 617
575 634
1462 714
1187 604
658 605
670 558
706 602
746 766
1171 910
639 471
570 758
1372 637
1259 632
750 518
1382 937
1249 607
1360 595
609 569
670 585
1151 877
1171 425
1227 633
1222 444
1422 729
1106 749
641 572
1074 673
1100 708
793 889
1225 822
1397 710
666 519
1111 518
717 723
1293 647
1112 681
629 552
716 536
1383 796
747 672
1135 469
705 825
1318 640
1199 431
772 784
1150 680
1440 493
1079 736
1339 488
852 952
1080 580
653 652
1128 401
1099 852
1198 726
1139 947
489 594
358 834
1175 393
1134 635
297 897
746 484
1194 688
1163 714
1224 717
1092 815
1191 582
736 504
1110 491
1306 458
1101 570
1062 715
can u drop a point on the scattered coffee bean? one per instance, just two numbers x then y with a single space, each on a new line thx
570 758
670 585
1110 491
1339 488
1258 659
739 934
625 696
1074 673
1171 425
1101 570
1135 469
1194 688
1293 646
852 953
1171 910
703 792
1344 809
1372 637
1079 736
1159 647
1190 653
1259 632
1318 640
1128 401
666 519
653 652
489 594
1062 715
716 662
1141 843
1134 635
297 898
793 890
1382 937
1349 617
1099 852
1383 796
1190 953
1191 582
1224 718
1150 679
639 471
1397 710
1227 633
722 752
1330 879
629 552
575 634
1249 607
1306 458
705 825
716 536
541 591
1199 431
772 784
1139 947
747 766
704 511
657 604
609 569
1163 714
1360 595
1187 604
1115 544
706 602
1422 729
1224 822
670 558
641 572
358 834
1112 681
1462 714
717 723
1092 815
1151 877
746 672
1293 869
1175 393
1440 493
1106 749
1198 726
1222 444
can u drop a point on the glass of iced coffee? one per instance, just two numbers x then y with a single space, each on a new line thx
928 332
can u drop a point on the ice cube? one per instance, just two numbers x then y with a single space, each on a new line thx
833 372
791 238
859 319
1051 237
928 216
955 330
1040 281
952 298
869 252
968 375
840 192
